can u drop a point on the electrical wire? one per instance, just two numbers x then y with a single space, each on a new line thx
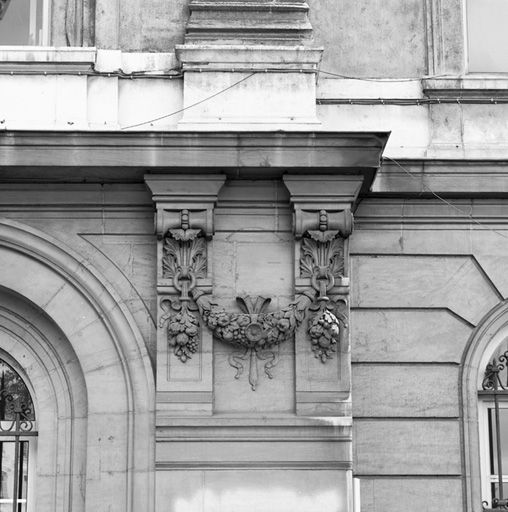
443 200
372 79
189 106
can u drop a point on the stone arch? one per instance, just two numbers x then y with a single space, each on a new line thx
43 357
491 331
110 355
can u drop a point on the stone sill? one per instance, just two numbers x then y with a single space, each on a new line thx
51 59
46 59
470 86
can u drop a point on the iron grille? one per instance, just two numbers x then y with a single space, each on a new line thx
495 385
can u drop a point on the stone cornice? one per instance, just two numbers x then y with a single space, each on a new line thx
126 156
241 21
452 178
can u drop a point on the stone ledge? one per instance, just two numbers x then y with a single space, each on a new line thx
47 58
225 420
455 177
470 86
228 58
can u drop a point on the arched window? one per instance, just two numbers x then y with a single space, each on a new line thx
17 441
493 422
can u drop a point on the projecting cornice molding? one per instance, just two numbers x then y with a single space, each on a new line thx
127 156
248 21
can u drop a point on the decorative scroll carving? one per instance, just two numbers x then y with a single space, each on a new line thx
183 261
322 259
254 331
495 379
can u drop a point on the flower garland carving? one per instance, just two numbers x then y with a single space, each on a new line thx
257 334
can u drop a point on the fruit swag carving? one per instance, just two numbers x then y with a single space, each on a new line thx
256 333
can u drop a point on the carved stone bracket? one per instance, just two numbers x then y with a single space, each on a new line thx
184 223
256 333
322 261
184 261
322 223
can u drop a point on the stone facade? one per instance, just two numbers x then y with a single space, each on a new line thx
252 254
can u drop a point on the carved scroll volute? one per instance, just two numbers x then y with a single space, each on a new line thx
184 261
322 223
184 224
323 261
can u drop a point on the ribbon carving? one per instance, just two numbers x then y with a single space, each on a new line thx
257 334
254 332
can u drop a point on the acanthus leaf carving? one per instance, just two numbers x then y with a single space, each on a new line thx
256 334
184 260
322 259
316 254
187 253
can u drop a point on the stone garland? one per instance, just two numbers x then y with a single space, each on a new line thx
255 332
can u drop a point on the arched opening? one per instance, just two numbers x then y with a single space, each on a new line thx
92 381
484 384
18 433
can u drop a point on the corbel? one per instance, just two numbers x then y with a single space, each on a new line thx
322 223
188 316
184 225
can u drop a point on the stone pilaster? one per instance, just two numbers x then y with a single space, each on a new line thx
184 225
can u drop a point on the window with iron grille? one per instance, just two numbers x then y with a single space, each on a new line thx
493 421
18 434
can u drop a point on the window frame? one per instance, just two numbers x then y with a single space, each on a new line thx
486 402
45 37
467 48
30 436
